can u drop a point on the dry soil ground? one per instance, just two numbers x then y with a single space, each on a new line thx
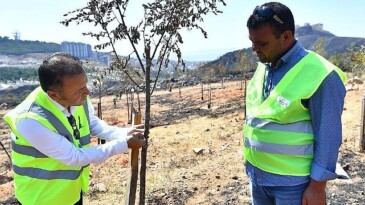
215 175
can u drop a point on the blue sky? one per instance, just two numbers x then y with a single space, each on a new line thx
39 20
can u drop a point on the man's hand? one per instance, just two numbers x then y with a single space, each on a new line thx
135 138
315 194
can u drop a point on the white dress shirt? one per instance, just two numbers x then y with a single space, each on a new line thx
58 147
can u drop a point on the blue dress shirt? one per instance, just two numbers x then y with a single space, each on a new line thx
325 107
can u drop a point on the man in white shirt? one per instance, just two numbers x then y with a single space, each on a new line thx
51 136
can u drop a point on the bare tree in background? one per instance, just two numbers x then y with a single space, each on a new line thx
159 31
99 84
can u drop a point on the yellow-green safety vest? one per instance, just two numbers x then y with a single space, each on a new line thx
278 135
39 179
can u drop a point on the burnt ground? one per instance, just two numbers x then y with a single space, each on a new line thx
176 174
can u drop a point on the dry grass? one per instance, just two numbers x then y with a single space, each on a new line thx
176 174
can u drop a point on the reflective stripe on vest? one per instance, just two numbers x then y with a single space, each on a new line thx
86 109
31 151
48 175
85 140
27 150
61 129
279 148
302 126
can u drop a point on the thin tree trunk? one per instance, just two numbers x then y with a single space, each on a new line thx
129 120
132 107
202 91
142 189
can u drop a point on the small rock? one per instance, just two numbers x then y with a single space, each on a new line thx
100 187
198 150
355 80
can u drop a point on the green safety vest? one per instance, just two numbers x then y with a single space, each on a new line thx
39 179
278 135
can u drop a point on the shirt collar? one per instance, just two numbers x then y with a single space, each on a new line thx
288 56
291 53
61 108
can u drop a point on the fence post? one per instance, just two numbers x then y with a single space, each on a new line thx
362 128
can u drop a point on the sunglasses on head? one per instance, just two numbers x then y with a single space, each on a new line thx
264 11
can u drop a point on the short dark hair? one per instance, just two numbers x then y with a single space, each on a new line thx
280 18
57 66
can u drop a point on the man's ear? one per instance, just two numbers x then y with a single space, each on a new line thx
288 38
53 95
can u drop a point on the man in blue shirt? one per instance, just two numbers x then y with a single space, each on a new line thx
271 31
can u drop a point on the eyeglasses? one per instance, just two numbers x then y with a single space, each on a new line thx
72 122
264 11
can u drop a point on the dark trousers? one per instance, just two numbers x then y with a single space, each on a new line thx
80 201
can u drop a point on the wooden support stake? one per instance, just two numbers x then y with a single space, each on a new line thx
133 178
100 115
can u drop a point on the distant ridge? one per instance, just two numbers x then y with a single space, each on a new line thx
19 47
308 35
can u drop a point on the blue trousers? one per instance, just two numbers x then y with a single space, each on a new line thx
277 195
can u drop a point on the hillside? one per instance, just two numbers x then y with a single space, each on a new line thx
19 47
308 35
